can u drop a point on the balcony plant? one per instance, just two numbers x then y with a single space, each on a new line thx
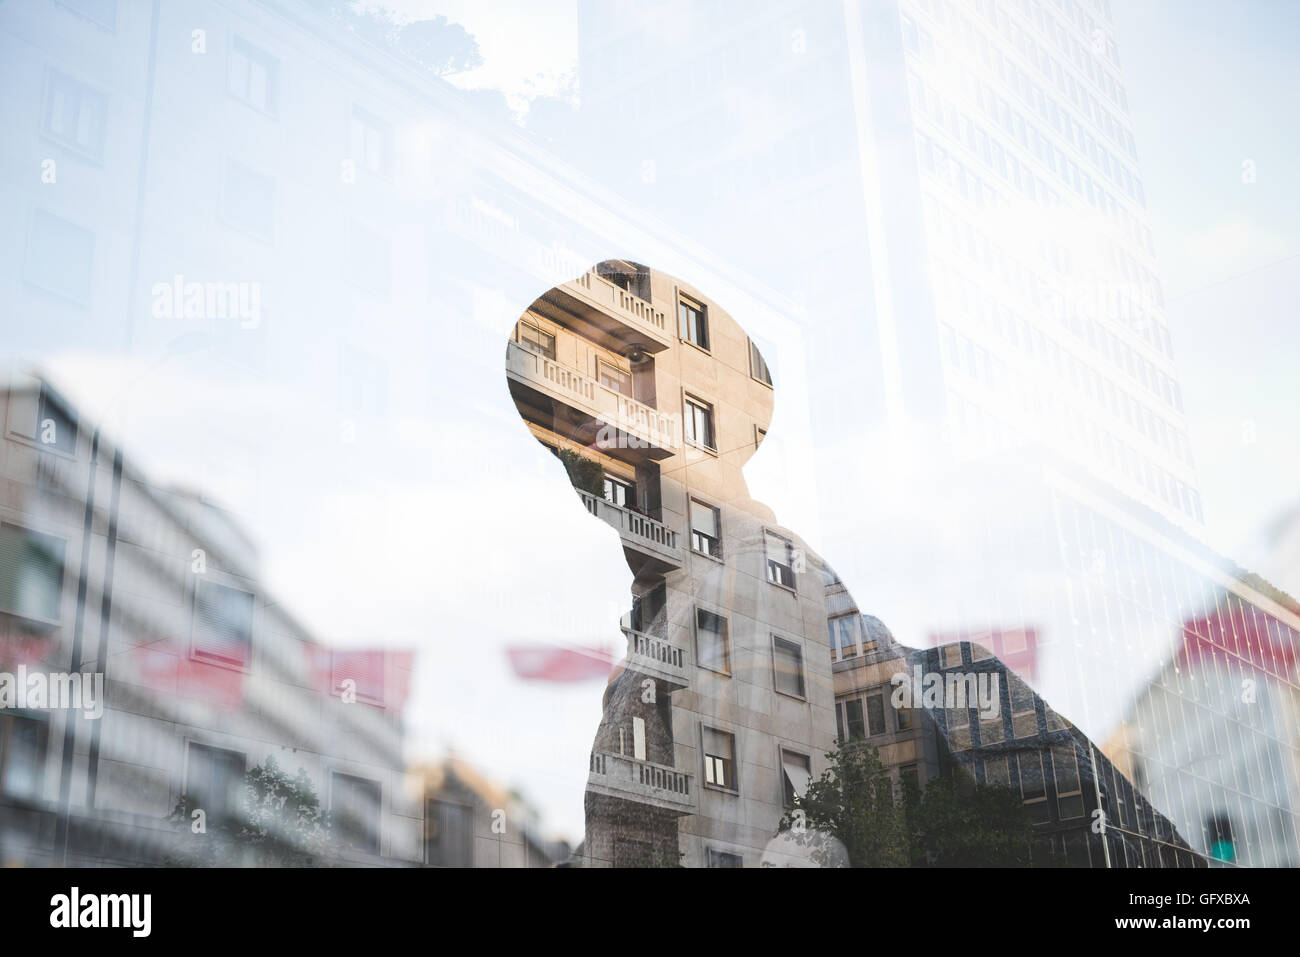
585 474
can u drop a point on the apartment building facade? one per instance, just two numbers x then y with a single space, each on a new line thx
206 677
721 711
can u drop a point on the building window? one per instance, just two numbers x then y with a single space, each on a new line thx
757 365
75 115
60 257
959 734
1024 715
254 76
711 649
223 623
853 718
720 759
214 782
22 756
370 141
1032 789
724 859
620 492
908 778
693 321
449 834
365 671
614 378
875 714
1069 794
699 424
705 534
997 773
844 636
780 561
355 806
535 340
31 573
248 201
796 774
369 260
787 662
905 718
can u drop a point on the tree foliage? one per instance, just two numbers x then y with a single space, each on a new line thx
437 44
278 822
855 809
585 474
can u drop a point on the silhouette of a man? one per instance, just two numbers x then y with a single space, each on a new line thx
726 705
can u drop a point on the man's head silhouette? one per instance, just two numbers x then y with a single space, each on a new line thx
753 688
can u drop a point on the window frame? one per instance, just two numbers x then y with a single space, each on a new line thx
692 403
726 641
687 303
187 789
867 698
715 853
219 661
789 795
768 561
629 485
601 364
435 802
93 153
8 719
266 58
802 694
26 531
862 719
335 819
756 357
716 554
536 327
731 764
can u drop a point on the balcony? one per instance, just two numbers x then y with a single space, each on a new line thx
574 404
619 776
650 545
608 314
658 658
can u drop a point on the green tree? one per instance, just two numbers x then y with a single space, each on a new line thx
853 809
278 823
958 823
585 474
852 803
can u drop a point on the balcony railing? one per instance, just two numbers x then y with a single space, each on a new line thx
658 657
639 421
639 531
618 775
632 311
